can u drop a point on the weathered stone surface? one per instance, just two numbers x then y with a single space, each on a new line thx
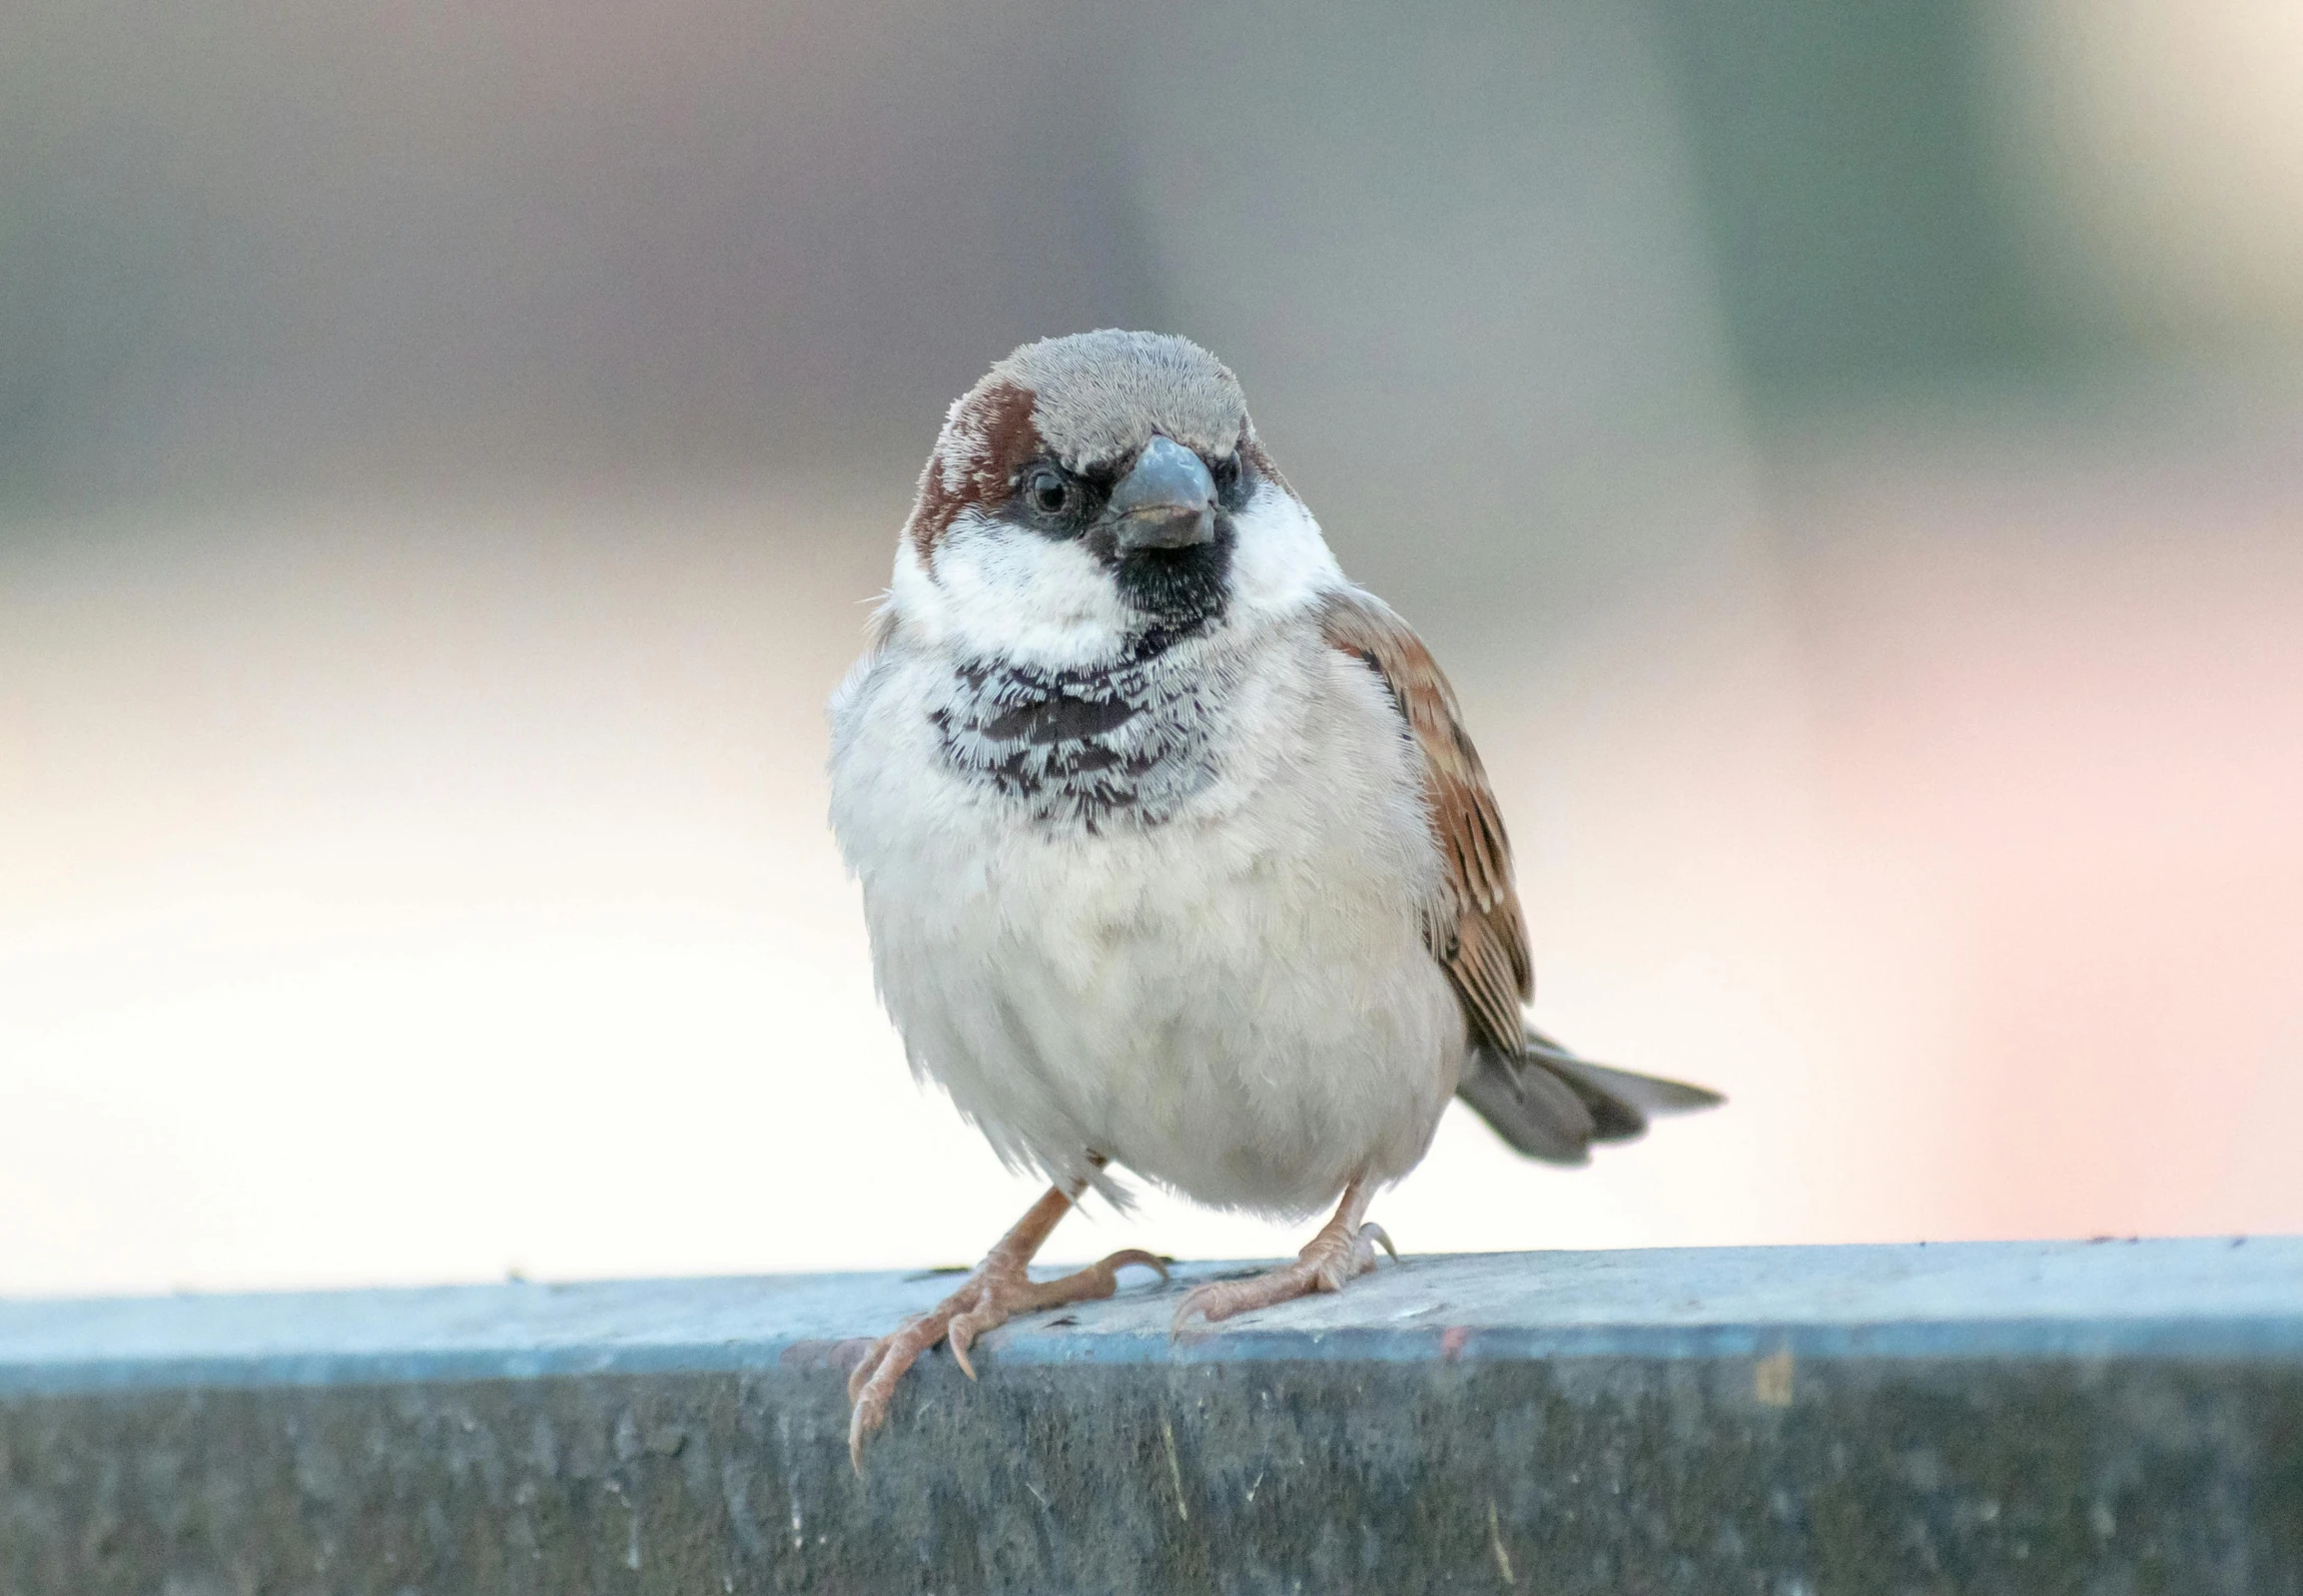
2019 1418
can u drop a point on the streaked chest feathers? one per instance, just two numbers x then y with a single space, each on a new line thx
1130 741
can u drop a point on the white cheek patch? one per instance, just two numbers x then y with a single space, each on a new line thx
998 590
1280 562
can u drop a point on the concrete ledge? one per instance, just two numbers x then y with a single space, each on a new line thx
2119 1416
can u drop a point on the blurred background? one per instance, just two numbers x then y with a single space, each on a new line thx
1849 457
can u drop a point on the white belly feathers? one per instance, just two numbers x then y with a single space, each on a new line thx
1231 994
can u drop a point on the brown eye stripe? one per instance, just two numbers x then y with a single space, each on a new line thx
1252 454
988 437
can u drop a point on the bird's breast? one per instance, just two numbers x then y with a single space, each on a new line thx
1129 742
1216 978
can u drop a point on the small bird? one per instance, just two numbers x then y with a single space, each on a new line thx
1175 852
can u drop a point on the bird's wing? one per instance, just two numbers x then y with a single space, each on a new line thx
1473 928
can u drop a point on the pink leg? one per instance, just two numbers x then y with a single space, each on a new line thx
998 1289
1344 1250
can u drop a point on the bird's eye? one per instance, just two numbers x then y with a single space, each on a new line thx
1050 491
1226 475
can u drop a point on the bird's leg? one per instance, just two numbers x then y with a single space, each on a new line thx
998 1289
1344 1250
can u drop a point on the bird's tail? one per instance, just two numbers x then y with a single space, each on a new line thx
1553 1106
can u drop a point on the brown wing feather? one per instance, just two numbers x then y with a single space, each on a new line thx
1474 930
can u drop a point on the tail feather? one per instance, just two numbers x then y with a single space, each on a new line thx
1551 1104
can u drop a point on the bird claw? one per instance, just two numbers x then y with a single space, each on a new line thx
994 1292
1334 1257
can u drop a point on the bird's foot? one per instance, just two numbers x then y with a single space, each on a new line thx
994 1292
1340 1252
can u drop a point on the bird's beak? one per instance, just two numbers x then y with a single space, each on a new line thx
1167 500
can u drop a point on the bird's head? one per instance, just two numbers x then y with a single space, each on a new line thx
1097 496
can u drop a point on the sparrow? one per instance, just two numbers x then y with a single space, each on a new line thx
1174 853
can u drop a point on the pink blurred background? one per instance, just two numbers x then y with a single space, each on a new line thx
1853 469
